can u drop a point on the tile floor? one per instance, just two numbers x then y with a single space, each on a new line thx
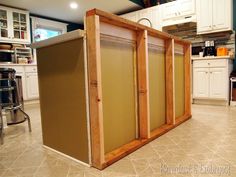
203 146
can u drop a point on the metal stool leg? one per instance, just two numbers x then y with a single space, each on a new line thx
1 128
28 119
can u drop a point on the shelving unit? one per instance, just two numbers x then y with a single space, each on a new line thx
25 53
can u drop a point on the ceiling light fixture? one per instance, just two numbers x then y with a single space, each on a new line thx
73 5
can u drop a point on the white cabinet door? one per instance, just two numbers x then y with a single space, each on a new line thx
200 82
20 26
186 7
221 15
218 81
22 74
170 10
32 85
4 24
204 16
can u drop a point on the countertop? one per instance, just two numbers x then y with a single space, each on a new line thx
211 57
16 64
59 39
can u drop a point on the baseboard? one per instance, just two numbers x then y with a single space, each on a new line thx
67 156
211 102
29 102
232 103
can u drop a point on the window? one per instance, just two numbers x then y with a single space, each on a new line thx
44 29
45 33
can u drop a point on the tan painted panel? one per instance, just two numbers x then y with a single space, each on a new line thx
62 98
179 85
157 95
118 93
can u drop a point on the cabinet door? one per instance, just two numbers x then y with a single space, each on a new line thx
204 16
20 26
169 10
221 14
186 7
200 82
32 85
4 24
22 74
218 81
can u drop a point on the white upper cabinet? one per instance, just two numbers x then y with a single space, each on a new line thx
148 17
14 25
178 8
131 16
214 16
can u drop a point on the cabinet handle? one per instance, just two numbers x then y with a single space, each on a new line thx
206 72
210 72
208 63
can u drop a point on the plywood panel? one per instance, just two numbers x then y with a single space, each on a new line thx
157 95
62 98
179 71
118 93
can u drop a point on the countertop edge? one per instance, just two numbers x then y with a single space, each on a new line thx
212 58
59 39
12 64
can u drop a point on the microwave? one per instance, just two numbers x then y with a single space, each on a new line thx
7 56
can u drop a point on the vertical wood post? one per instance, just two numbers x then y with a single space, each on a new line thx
95 91
187 62
170 101
143 96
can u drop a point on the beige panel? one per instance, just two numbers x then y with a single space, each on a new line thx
62 98
118 93
179 85
156 64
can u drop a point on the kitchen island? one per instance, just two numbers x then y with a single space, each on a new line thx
109 90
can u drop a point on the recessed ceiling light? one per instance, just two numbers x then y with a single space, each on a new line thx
73 5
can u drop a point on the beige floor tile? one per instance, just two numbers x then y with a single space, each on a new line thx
209 138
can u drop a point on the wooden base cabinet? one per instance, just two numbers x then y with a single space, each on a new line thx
211 79
117 90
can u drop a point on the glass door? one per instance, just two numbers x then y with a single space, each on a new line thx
19 26
4 26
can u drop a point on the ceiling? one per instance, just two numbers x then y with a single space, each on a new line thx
59 9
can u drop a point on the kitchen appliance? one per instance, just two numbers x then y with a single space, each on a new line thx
222 51
7 56
209 49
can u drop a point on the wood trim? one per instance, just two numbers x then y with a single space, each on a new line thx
143 96
187 61
95 91
125 150
119 21
95 21
170 107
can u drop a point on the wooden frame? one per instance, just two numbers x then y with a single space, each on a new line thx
97 21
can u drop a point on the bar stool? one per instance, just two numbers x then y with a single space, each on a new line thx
9 97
